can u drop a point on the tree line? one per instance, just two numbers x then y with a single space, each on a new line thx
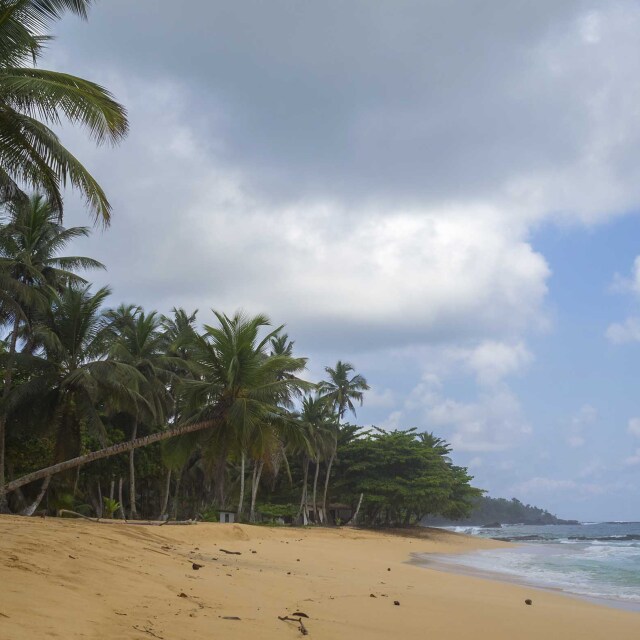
239 423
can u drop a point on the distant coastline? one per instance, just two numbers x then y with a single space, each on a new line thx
494 512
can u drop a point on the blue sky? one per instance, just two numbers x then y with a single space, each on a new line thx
444 193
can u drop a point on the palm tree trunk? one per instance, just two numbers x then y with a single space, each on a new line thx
354 518
100 502
19 495
241 500
120 499
257 472
303 499
31 509
326 482
113 450
176 495
132 477
316 519
165 496
220 471
8 377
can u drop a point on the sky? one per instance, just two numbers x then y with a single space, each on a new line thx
444 193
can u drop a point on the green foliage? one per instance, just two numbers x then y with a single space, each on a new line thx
85 377
211 514
34 99
110 507
275 511
403 476
486 510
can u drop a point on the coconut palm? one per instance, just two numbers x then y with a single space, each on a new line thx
343 387
244 385
180 332
33 99
318 423
31 239
141 343
71 377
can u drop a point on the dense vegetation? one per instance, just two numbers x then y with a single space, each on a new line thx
488 510
119 410
79 376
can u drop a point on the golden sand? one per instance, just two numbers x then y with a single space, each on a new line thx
75 579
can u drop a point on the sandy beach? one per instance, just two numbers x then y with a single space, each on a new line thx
76 579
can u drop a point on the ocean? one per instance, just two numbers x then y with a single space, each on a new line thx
599 561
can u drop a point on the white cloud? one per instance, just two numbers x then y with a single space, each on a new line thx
492 422
623 332
367 275
584 417
380 398
631 283
629 329
492 360
633 427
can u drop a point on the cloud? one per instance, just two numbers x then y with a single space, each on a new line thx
624 332
380 398
353 191
626 284
629 329
363 276
492 422
584 417
633 427
492 360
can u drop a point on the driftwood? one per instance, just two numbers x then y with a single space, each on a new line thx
232 553
153 523
301 627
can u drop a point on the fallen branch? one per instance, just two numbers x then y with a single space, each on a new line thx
232 553
62 512
153 523
301 627
149 631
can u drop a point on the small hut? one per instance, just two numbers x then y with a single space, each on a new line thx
227 516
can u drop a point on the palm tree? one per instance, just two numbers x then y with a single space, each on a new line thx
142 344
246 387
340 391
71 377
31 239
180 335
31 99
317 421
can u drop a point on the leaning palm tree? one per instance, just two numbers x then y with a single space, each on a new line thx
211 402
243 386
31 239
71 377
343 387
32 100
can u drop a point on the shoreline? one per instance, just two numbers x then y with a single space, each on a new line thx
76 579
446 564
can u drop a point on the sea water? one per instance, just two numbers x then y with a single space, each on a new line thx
594 560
